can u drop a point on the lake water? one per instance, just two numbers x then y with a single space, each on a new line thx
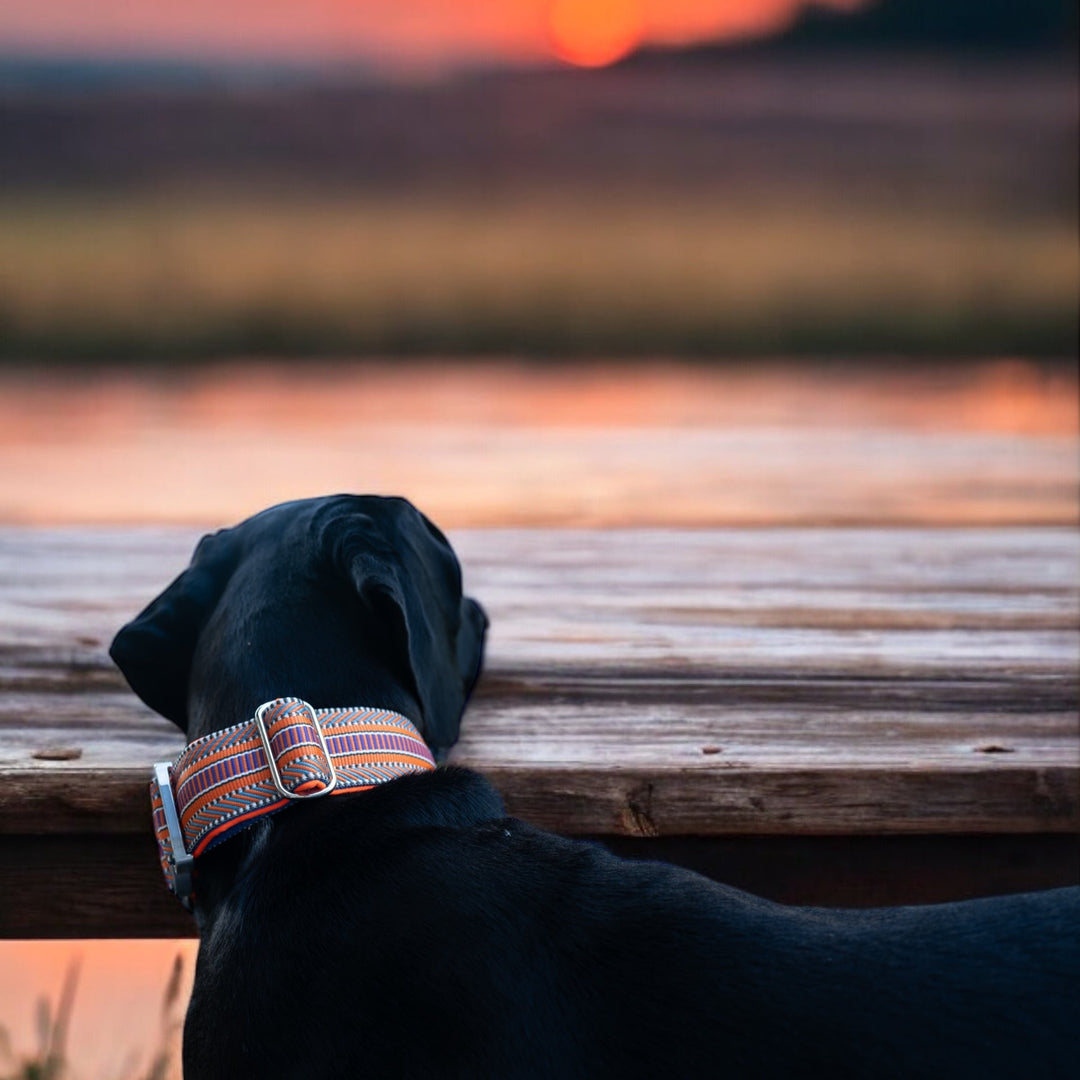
594 445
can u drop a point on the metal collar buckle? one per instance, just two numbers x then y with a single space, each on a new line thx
275 774
183 865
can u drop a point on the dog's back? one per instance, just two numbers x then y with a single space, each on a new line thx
515 953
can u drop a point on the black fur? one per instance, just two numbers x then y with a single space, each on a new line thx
415 931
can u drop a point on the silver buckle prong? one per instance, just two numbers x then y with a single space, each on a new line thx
264 734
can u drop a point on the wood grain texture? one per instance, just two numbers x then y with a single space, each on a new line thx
639 682
819 715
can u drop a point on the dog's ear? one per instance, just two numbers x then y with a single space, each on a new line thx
415 582
470 642
154 651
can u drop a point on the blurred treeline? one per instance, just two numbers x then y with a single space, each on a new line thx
846 190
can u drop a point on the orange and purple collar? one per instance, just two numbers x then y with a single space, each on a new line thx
289 751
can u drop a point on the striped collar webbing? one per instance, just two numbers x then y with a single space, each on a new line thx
224 782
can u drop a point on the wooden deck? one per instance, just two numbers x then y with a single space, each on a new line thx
844 715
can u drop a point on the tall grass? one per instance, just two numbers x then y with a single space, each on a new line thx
50 1061
201 276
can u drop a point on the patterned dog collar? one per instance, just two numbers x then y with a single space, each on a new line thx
288 751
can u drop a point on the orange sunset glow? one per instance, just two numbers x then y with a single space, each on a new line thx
592 33
399 34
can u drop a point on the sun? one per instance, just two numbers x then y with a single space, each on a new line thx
592 33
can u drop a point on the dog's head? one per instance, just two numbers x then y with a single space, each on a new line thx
344 600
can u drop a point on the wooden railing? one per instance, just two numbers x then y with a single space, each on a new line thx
821 715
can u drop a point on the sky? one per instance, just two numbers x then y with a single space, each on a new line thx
394 33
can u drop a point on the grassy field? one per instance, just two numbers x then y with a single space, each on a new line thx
117 277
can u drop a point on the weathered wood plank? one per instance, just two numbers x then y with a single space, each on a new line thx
639 682
814 715
617 598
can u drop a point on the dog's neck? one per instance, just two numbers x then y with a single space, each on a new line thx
216 703
352 831
224 703
219 866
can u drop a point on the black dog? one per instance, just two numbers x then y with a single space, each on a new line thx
414 931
